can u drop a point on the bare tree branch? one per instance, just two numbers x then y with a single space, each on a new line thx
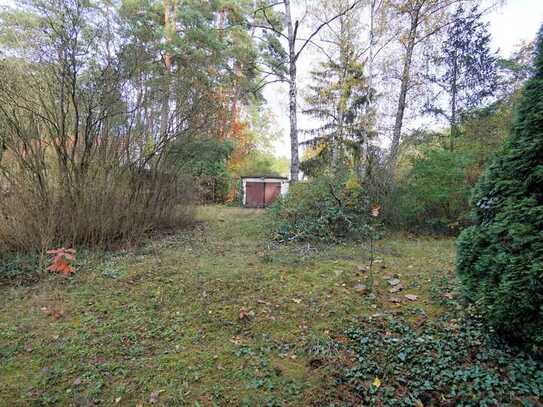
258 88
322 25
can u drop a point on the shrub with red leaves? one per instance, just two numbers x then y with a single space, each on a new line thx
60 262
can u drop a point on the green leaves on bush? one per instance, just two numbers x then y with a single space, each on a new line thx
500 258
206 161
434 196
322 209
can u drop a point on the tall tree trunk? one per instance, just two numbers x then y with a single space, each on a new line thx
406 77
339 137
454 93
293 95
363 148
166 86
372 43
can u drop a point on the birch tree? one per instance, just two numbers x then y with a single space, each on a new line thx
286 29
424 18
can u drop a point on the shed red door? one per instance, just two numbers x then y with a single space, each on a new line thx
261 194
255 194
271 192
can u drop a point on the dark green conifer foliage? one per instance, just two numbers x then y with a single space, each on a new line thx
500 258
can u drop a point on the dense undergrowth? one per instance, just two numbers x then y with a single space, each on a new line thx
448 362
322 209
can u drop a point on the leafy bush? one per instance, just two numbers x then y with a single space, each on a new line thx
445 363
434 195
259 163
434 184
206 161
322 209
500 258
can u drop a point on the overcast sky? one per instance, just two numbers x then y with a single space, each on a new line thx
516 21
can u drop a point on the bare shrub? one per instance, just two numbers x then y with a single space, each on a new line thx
103 209
82 147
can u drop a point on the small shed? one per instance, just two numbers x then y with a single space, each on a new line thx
259 192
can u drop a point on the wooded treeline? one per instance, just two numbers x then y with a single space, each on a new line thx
406 100
116 116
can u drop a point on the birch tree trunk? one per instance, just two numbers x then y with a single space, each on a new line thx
166 89
454 93
293 96
363 152
404 87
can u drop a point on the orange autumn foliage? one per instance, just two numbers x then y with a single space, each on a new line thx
237 130
60 262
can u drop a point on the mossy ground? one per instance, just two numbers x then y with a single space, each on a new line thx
161 323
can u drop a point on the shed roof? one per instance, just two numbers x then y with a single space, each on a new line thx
264 176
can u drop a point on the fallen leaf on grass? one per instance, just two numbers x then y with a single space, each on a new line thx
360 287
411 297
394 281
361 269
376 382
55 313
245 314
395 289
236 340
419 321
98 360
153 398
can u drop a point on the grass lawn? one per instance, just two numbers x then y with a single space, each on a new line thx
213 316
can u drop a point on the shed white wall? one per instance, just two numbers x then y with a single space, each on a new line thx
284 188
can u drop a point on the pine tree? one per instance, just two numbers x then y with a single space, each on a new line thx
500 258
467 68
339 98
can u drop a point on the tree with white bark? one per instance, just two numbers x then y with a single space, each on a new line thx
422 19
276 20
